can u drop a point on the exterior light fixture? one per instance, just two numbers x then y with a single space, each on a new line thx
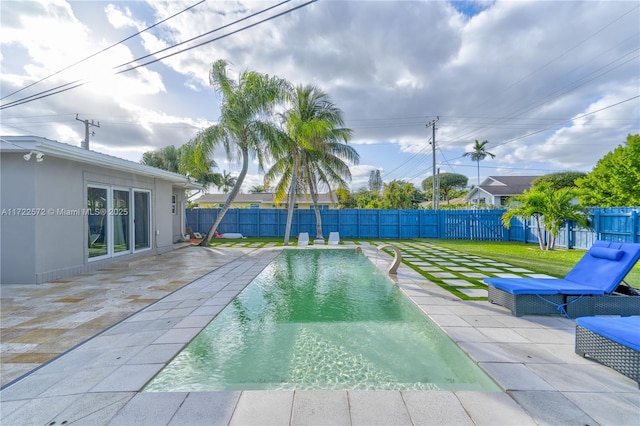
39 156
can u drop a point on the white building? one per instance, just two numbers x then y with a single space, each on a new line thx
68 210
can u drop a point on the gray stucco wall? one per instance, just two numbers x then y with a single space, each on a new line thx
17 246
47 247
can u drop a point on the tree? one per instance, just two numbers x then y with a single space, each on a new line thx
559 180
309 150
375 181
478 154
365 199
197 166
258 189
246 106
228 181
615 180
448 183
549 207
398 194
167 158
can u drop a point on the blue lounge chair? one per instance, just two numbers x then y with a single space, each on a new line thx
588 289
612 341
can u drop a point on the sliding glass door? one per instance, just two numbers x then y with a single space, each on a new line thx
142 220
114 227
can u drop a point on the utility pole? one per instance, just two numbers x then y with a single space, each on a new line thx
85 142
432 124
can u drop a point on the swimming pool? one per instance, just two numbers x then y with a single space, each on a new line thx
321 319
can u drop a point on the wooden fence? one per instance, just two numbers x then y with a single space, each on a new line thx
613 224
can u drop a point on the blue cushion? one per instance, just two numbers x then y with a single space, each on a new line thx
606 253
622 330
543 286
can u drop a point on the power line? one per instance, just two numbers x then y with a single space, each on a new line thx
103 50
81 82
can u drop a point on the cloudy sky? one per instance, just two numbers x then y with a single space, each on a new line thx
552 85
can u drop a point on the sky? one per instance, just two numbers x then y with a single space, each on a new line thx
552 85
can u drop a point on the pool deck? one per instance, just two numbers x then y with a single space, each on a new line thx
79 351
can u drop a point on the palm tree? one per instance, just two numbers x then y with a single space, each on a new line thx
310 149
257 189
228 181
478 154
246 105
549 207
198 167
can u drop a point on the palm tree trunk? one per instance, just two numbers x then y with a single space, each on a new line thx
314 197
539 229
478 163
291 202
232 195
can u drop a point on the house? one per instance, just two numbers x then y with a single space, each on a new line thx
264 200
496 190
68 210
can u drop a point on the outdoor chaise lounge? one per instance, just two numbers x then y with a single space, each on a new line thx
303 239
334 238
590 288
612 341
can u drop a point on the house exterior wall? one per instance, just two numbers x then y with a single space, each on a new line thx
17 248
53 245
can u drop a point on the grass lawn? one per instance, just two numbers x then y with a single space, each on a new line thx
556 263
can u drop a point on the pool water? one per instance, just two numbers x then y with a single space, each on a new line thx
321 319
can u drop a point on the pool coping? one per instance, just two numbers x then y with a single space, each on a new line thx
531 358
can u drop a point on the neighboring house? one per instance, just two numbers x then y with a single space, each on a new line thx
496 190
68 210
264 200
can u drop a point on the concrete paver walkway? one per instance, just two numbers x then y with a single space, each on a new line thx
531 358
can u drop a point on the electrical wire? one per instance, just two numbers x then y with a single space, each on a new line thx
81 82
103 50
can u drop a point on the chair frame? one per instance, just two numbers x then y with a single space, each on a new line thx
607 352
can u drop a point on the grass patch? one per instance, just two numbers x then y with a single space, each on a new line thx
555 263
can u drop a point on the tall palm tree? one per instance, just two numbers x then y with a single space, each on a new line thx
310 150
478 154
246 106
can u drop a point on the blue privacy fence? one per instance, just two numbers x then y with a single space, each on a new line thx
622 224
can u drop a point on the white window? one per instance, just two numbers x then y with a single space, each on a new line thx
173 204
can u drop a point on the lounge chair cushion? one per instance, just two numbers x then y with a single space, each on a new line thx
606 253
542 286
622 330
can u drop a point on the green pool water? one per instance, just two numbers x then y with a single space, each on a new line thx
321 319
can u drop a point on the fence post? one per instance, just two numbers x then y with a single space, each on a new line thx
568 233
634 227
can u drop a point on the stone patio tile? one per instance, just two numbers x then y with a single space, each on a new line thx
194 321
442 275
156 354
79 382
458 283
485 352
608 408
481 321
149 408
545 336
211 408
178 335
474 292
320 408
502 335
488 269
92 409
539 276
506 275
263 408
575 379
515 377
532 353
523 270
208 310
378 408
465 334
473 275
128 378
435 408
31 386
449 321
37 411
551 408
494 408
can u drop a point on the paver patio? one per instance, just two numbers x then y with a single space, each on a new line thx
98 382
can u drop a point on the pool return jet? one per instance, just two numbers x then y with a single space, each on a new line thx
397 259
